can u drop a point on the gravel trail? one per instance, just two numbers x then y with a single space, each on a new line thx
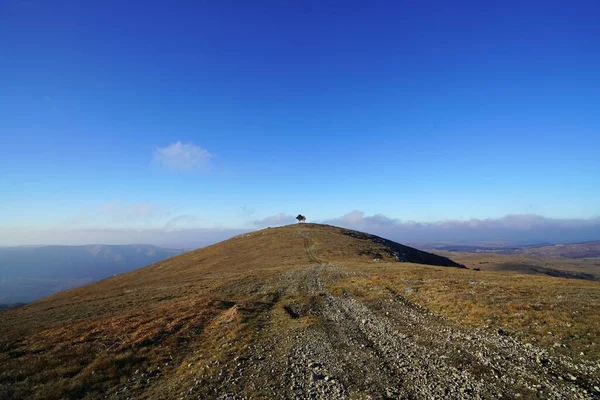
343 347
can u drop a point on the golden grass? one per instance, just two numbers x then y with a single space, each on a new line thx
191 313
536 308
90 357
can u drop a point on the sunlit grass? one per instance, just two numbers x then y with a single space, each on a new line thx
554 312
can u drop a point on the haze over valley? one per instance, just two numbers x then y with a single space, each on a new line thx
29 273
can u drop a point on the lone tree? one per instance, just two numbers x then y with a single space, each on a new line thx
301 218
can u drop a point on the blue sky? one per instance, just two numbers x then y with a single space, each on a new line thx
219 114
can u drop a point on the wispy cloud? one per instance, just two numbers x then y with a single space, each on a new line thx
275 220
182 157
131 212
246 212
181 222
184 238
117 212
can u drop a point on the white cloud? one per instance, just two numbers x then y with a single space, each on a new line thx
357 218
182 157
181 222
275 220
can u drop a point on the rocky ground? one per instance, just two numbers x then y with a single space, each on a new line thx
341 347
319 321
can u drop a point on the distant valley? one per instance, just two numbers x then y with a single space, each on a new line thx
573 260
28 273
566 250
571 250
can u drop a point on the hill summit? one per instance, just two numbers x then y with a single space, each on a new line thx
307 242
300 311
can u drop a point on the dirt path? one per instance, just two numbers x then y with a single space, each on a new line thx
313 344
393 349
310 247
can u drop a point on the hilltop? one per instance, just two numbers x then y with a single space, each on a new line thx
304 311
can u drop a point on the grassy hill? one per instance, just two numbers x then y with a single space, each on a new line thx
305 311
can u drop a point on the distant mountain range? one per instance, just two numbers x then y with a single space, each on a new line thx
28 273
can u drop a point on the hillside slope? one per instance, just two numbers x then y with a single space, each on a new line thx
303 311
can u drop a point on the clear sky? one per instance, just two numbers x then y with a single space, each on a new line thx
220 114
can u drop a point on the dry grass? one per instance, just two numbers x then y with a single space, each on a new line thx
192 313
536 308
90 357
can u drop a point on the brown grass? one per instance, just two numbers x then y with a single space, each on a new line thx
91 357
192 313
540 309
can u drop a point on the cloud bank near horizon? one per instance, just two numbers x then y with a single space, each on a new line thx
179 231
522 228
185 238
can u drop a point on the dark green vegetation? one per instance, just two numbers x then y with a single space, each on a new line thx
306 311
